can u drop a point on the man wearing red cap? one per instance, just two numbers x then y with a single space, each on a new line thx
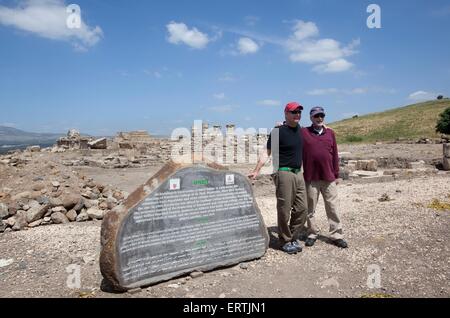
286 145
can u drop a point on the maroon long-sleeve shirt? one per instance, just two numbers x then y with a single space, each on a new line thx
320 155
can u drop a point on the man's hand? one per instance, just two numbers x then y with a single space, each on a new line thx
252 176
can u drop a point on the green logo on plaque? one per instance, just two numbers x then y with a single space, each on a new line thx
200 182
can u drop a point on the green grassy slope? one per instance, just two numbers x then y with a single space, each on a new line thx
413 121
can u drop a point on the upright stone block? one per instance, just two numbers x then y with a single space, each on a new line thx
185 218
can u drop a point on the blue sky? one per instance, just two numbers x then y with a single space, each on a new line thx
158 65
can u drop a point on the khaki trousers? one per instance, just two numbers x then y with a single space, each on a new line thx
291 204
329 194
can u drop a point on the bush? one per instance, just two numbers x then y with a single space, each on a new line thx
353 138
443 123
440 97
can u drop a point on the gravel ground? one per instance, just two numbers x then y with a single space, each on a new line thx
403 238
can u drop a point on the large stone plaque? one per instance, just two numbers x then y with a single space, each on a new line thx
185 218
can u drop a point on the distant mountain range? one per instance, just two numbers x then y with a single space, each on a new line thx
12 138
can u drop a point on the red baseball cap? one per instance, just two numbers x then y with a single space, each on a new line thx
292 106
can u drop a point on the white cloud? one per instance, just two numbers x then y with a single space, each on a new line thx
304 30
227 77
328 54
269 102
222 109
353 91
48 19
247 46
335 66
157 74
219 96
180 33
422 95
323 91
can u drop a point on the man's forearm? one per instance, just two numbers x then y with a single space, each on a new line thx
263 158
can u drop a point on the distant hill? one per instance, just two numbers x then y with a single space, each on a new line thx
413 121
10 137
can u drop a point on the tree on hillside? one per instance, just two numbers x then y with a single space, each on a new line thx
443 123
440 97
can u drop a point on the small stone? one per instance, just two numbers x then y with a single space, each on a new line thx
59 218
71 215
6 262
4 212
134 291
23 265
10 221
35 223
59 209
56 184
173 286
196 274
243 265
95 213
103 206
82 217
38 186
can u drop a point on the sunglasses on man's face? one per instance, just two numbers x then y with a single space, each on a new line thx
296 112
319 116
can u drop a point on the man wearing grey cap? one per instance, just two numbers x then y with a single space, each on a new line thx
321 173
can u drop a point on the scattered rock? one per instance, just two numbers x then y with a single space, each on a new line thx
21 220
173 286
4 211
134 291
59 218
21 195
35 223
416 165
71 215
384 198
36 212
70 201
59 209
82 217
243 265
6 262
196 274
95 213
38 186
10 221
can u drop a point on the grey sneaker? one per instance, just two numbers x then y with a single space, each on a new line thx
289 248
310 242
297 245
